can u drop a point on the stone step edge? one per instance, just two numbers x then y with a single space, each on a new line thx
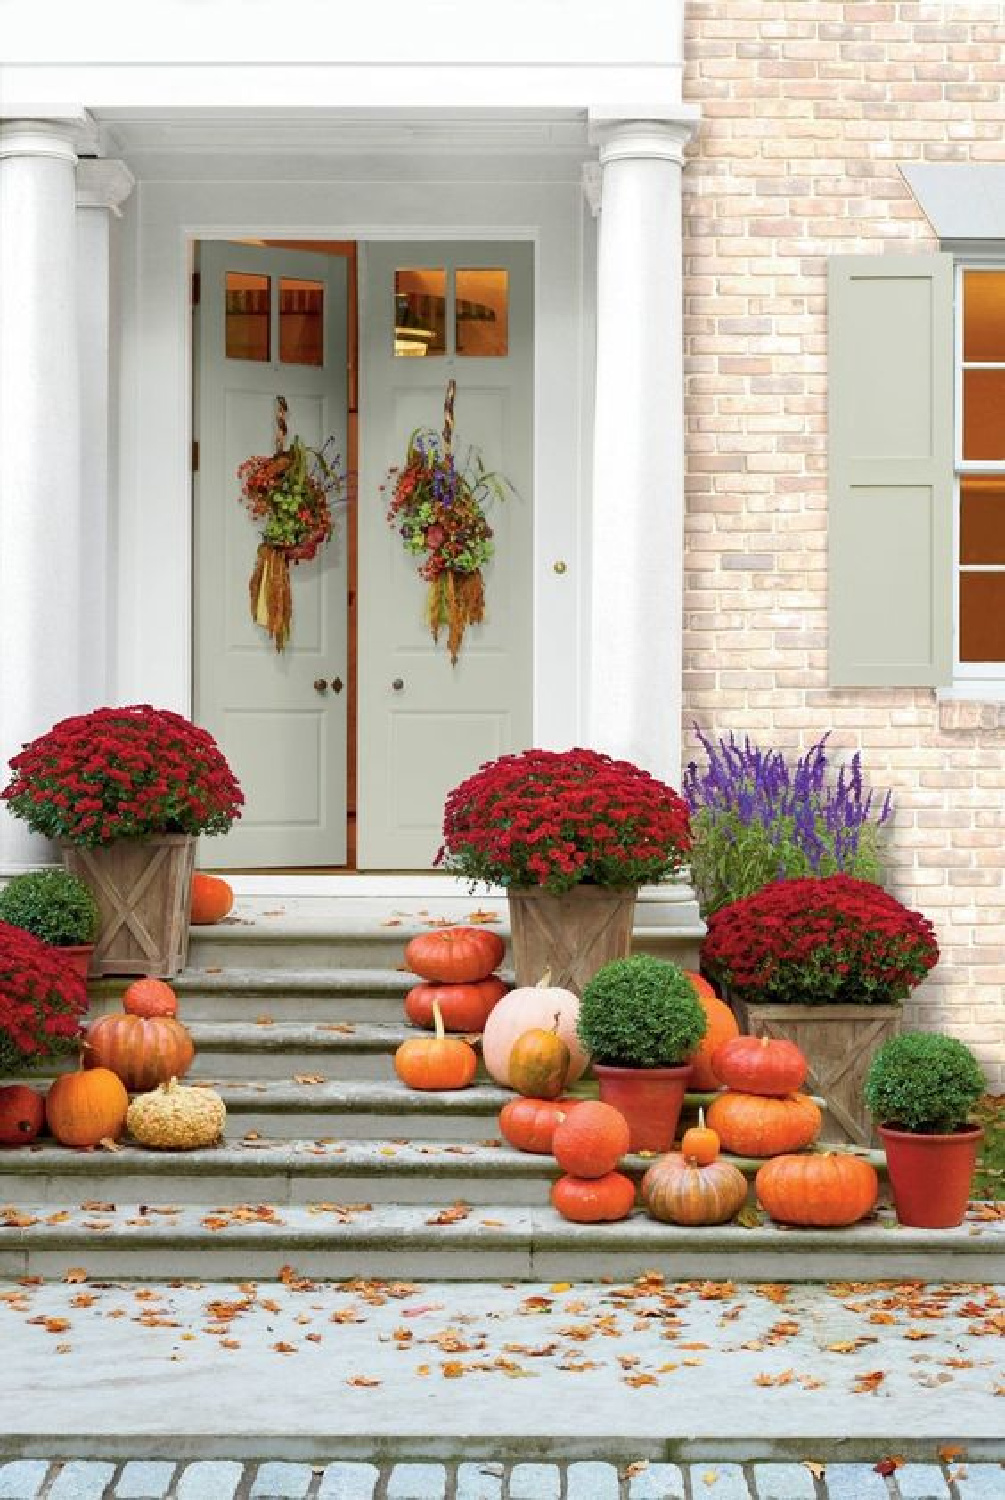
363 983
362 931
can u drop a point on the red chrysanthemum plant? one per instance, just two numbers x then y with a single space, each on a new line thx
123 773
42 1001
557 819
835 940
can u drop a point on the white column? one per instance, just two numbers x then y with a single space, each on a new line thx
102 187
39 448
634 692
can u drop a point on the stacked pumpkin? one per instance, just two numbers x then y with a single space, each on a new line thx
143 1049
457 965
693 1185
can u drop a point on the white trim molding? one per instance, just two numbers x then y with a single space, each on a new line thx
104 184
961 200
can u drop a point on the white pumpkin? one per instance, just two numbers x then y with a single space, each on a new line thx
523 1010
175 1118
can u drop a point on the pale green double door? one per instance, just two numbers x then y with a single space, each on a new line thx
282 718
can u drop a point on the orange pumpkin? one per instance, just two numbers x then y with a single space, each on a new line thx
592 1140
522 1010
455 955
150 997
529 1124
464 1007
824 1191
595 1199
700 1144
759 1125
721 1026
678 1191
212 899
440 1062
700 985
760 1065
539 1063
22 1114
84 1108
144 1051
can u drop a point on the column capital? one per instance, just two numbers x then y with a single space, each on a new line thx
57 130
104 184
660 136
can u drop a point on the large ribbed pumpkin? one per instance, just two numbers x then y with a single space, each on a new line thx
464 1007
523 1010
592 1140
150 997
142 1050
455 955
721 1027
529 1124
822 1190
676 1190
594 1200
760 1065
756 1125
85 1108
212 899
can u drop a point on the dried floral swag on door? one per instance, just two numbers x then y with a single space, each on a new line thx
437 508
292 490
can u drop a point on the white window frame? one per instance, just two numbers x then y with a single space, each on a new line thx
970 679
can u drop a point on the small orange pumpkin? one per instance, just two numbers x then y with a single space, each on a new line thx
592 1140
539 1063
700 1144
84 1108
760 1125
594 1200
22 1114
143 1051
212 899
439 1062
825 1190
150 997
464 1007
529 1124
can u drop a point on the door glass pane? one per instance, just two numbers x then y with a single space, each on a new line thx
984 316
301 321
982 519
982 617
984 413
420 321
247 316
482 312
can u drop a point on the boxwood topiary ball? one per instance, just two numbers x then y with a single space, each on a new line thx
641 1012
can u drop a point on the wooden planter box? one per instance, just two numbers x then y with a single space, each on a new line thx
143 888
839 1042
573 935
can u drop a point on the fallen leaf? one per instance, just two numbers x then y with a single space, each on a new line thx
64 1348
888 1466
107 1144
483 916
308 1078
75 1275
365 1381
282 1348
869 1382
949 1453
640 1380
452 1215
816 1468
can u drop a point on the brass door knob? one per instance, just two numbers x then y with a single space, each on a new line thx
320 684
398 684
336 684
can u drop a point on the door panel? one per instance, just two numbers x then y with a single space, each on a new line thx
419 740
285 740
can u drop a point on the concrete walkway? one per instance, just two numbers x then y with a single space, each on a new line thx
381 1372
489 1479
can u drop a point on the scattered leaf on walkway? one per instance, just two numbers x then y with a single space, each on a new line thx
869 1382
75 1275
950 1452
107 1144
282 1348
888 1466
308 1078
816 1468
452 1215
484 916
362 1380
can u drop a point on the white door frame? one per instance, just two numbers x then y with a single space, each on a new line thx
154 520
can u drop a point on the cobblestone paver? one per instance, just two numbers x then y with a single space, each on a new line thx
489 1479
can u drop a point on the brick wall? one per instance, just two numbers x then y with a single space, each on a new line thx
808 107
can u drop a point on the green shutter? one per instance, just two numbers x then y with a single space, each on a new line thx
890 527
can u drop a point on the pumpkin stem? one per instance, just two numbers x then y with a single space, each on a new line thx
701 1117
558 1018
438 1021
545 980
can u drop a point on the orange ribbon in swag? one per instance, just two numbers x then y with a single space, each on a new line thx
437 508
292 491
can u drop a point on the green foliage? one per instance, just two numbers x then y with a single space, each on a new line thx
640 1012
924 1083
731 859
989 1180
52 905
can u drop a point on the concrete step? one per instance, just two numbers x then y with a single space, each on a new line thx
362 1110
336 1240
333 1050
309 995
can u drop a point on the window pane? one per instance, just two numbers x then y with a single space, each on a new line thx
982 519
420 320
301 321
984 413
982 617
247 316
984 315
482 312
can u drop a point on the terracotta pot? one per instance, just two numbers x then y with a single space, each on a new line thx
78 957
573 935
650 1100
930 1175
